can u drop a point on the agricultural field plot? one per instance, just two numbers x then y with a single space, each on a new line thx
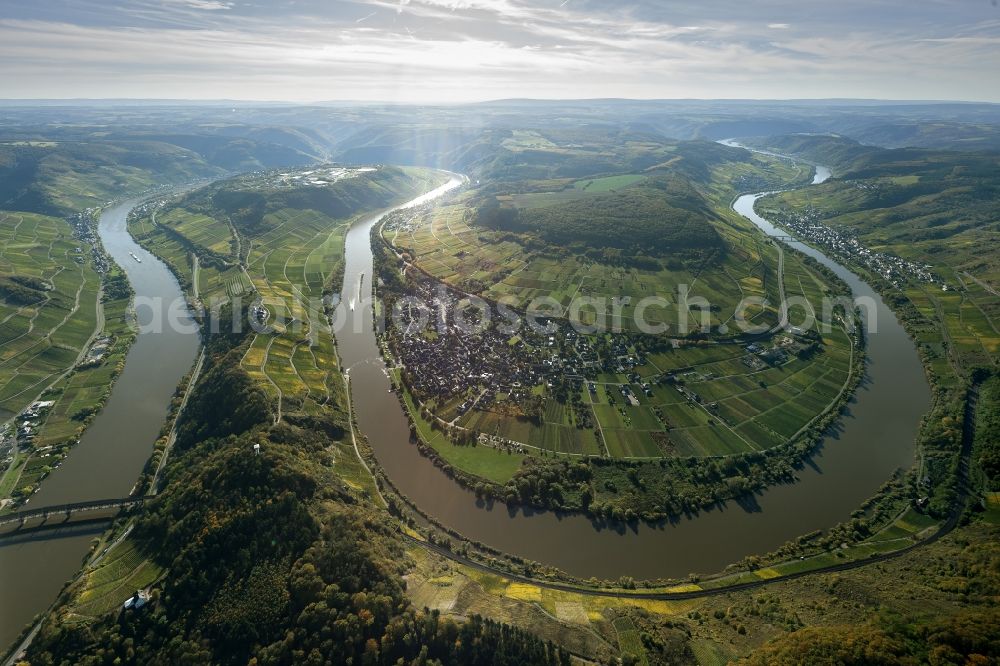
291 256
290 266
236 283
254 361
298 254
971 319
521 140
48 304
281 297
204 232
491 264
483 461
721 399
559 430
174 251
77 398
696 400
123 570
630 640
784 399
530 200
608 183
181 234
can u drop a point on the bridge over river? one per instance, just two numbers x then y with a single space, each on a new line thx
68 510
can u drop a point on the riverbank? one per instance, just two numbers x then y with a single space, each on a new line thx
116 446
951 380
837 551
583 548
514 456
97 326
572 543
871 549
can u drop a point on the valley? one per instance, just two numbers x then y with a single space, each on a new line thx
684 479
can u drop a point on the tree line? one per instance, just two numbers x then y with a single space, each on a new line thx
270 558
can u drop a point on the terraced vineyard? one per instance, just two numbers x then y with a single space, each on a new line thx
283 260
497 266
121 571
48 304
51 309
289 267
713 397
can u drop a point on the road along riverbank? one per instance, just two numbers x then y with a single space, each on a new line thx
873 439
115 447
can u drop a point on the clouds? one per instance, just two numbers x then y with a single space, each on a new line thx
210 5
457 50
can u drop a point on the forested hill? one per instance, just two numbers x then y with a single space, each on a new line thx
627 191
658 216
850 159
247 200
839 153
271 558
61 177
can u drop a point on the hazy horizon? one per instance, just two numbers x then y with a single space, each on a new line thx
466 51
221 101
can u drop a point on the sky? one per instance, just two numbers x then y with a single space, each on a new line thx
447 51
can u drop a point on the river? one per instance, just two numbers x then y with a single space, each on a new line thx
873 439
113 450
870 442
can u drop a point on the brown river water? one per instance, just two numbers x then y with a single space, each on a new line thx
872 440
116 445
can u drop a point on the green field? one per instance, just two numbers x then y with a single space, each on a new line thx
78 397
444 245
286 259
120 572
629 640
481 461
740 406
46 330
43 330
608 183
740 410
